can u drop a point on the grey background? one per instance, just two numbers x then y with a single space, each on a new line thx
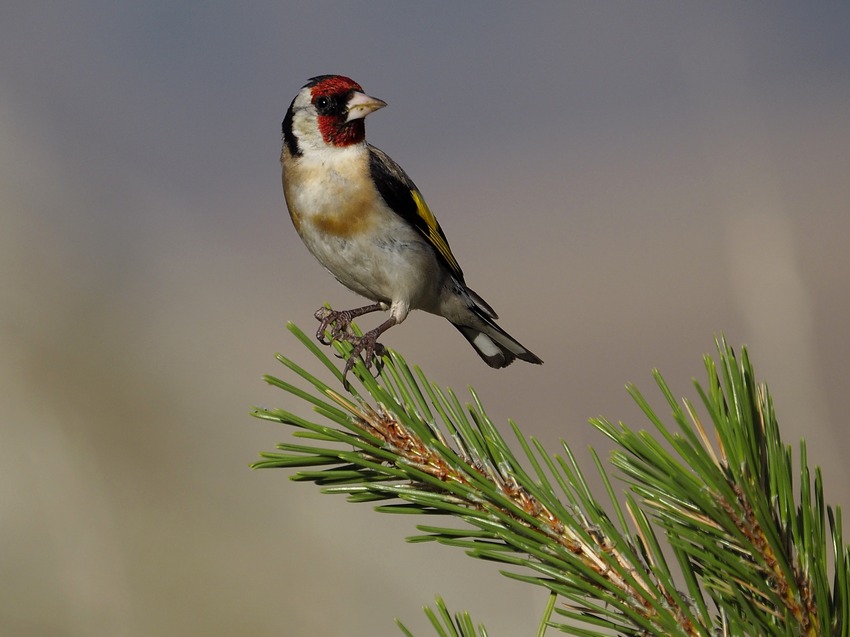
621 181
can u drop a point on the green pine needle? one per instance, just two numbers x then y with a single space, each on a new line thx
447 625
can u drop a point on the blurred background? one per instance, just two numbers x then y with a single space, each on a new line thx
621 181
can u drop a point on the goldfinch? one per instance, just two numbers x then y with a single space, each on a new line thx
364 219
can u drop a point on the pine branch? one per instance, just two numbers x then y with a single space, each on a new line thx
749 558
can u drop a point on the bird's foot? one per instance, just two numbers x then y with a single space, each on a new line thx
366 346
341 322
337 325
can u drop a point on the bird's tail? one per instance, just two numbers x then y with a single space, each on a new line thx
494 345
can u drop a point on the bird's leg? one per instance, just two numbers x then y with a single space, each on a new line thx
341 321
368 346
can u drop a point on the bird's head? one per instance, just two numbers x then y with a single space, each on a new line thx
327 112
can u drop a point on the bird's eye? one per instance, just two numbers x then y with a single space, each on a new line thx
323 104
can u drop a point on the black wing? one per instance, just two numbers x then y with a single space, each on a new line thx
402 196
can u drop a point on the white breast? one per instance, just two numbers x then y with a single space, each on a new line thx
346 225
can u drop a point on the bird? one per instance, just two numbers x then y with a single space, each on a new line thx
366 222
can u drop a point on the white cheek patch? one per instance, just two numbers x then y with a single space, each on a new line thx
305 127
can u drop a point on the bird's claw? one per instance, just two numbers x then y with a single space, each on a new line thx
369 348
341 321
337 325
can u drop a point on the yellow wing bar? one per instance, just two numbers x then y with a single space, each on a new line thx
435 234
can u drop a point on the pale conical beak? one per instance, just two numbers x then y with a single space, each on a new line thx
360 105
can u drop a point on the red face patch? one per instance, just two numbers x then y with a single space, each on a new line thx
335 84
330 95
